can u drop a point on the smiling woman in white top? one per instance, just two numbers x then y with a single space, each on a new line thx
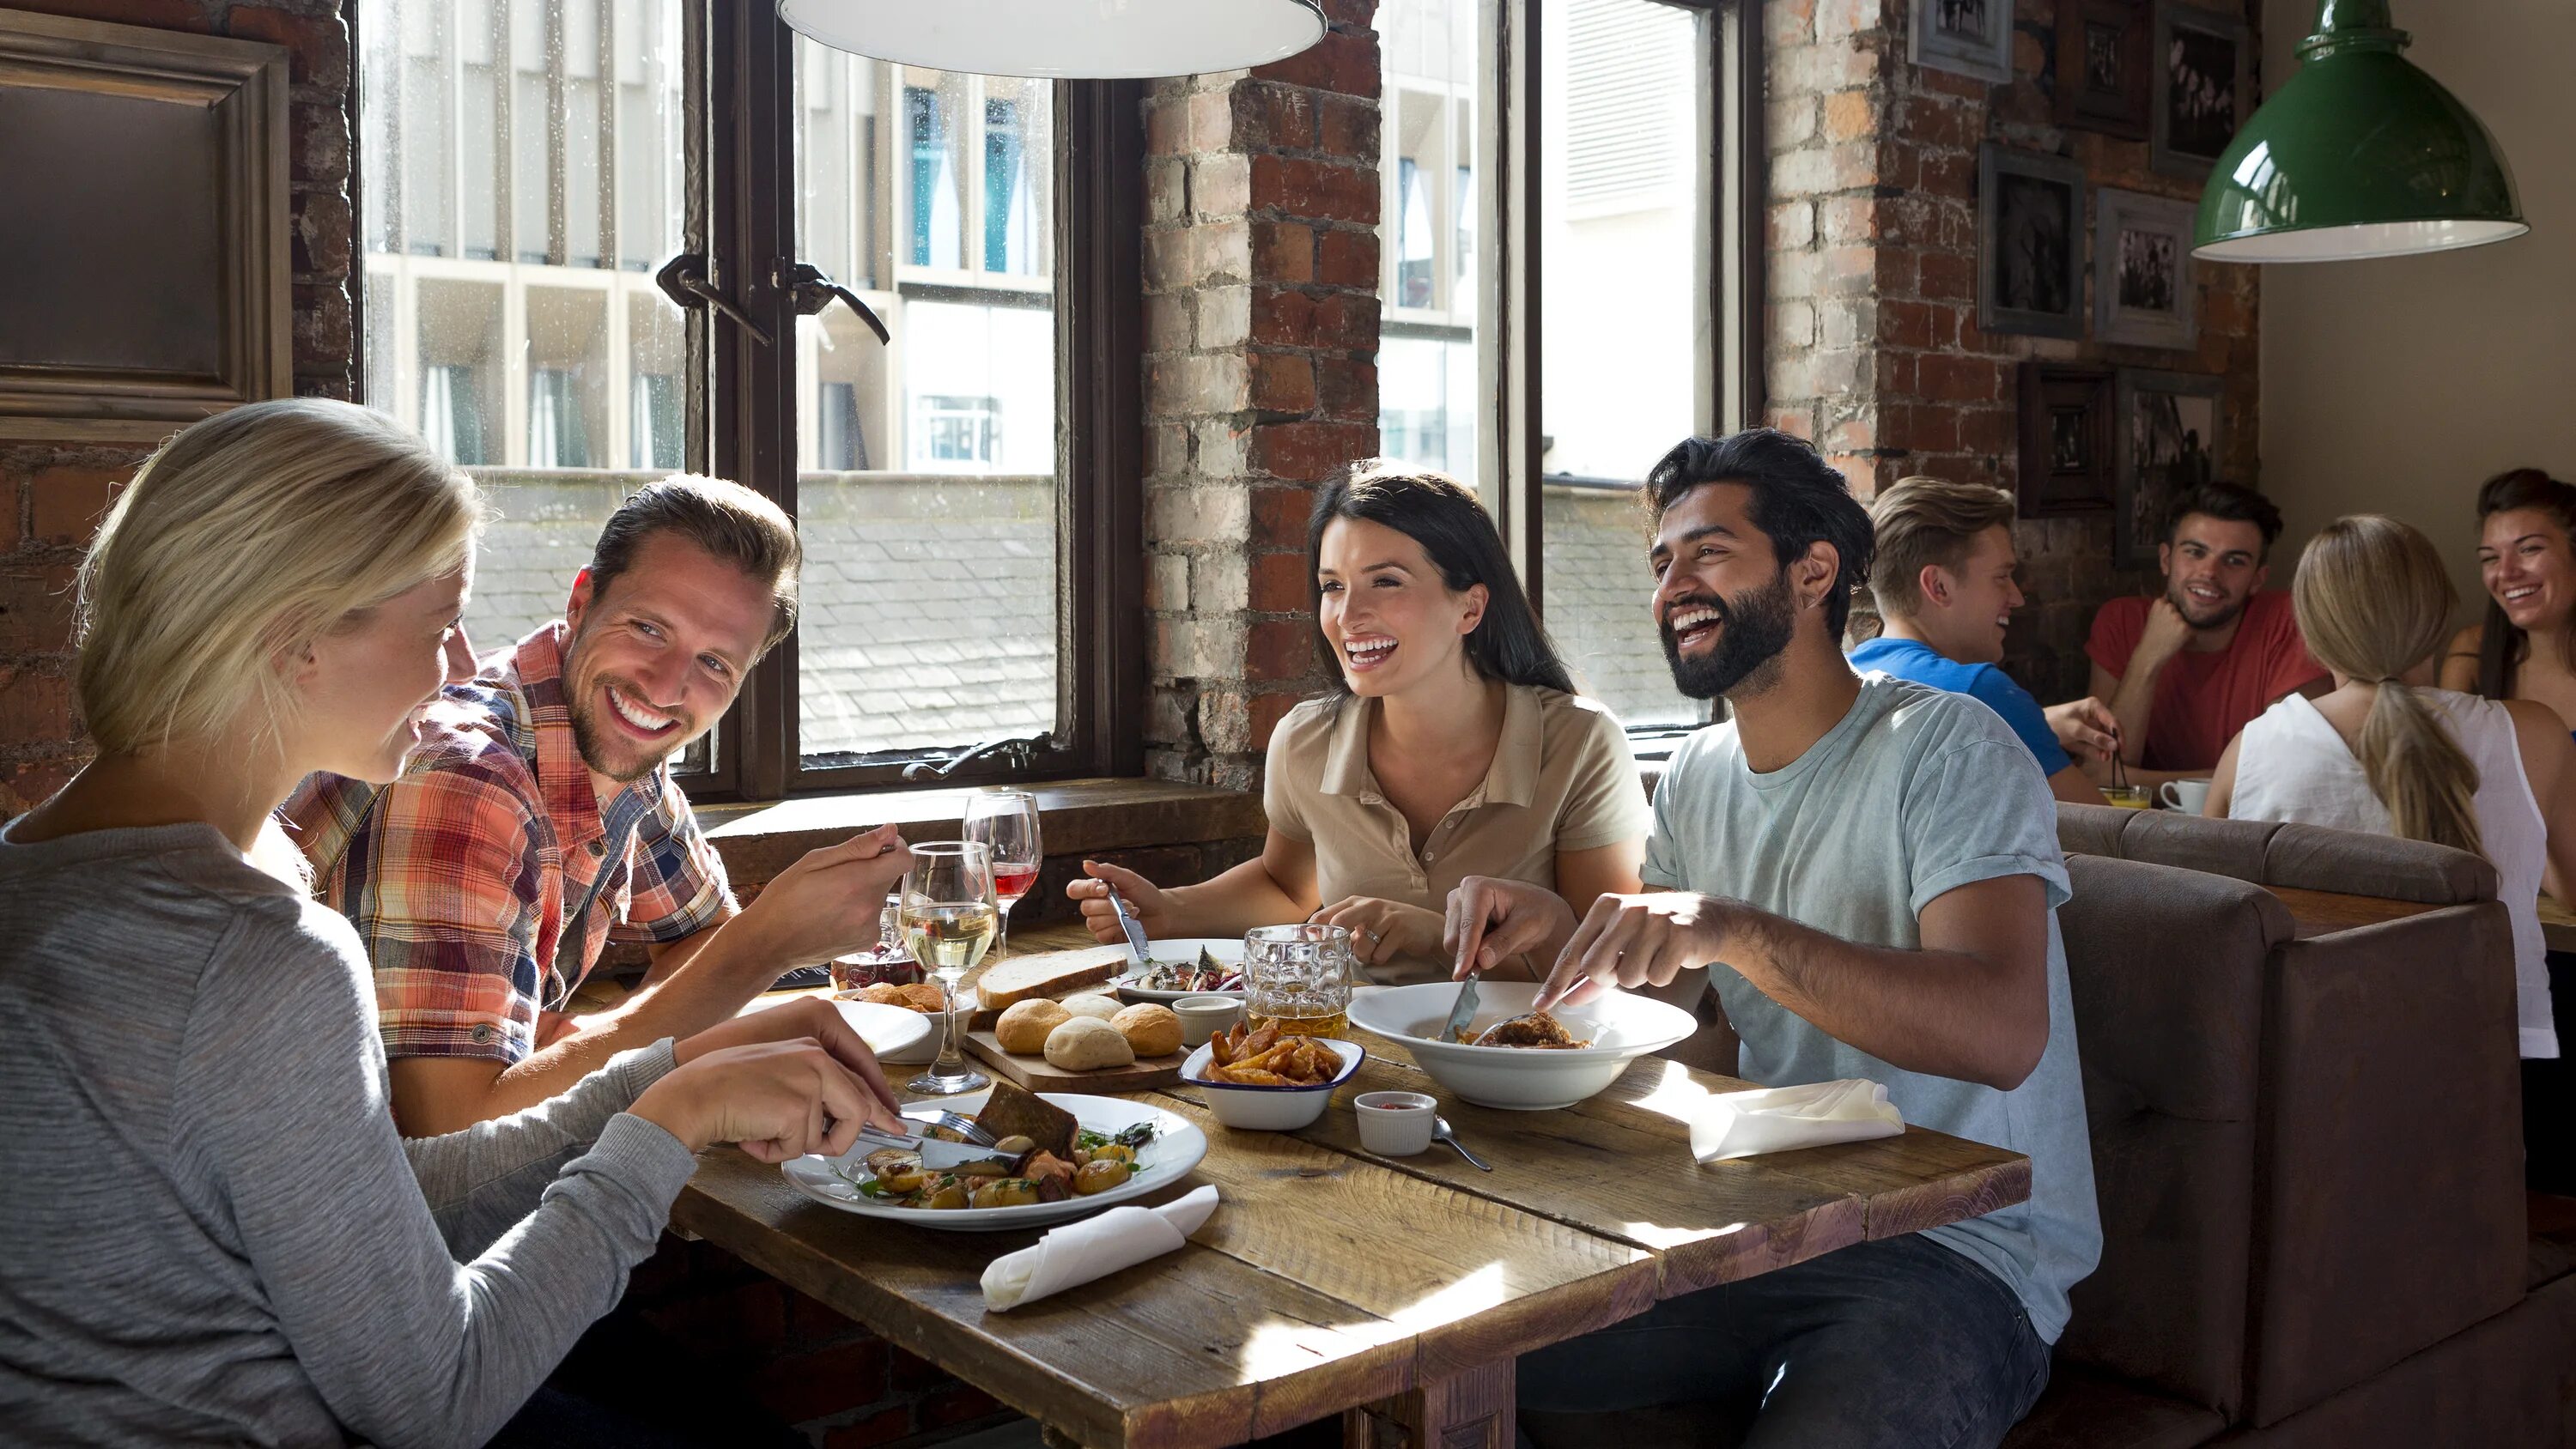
1451 744
2385 754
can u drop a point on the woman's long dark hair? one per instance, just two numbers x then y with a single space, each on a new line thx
2501 646
1437 512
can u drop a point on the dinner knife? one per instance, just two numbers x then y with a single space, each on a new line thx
1463 1012
1135 932
935 1153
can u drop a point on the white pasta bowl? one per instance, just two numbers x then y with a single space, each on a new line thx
1621 1028
1269 1109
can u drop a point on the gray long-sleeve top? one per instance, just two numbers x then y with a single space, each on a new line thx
210 1231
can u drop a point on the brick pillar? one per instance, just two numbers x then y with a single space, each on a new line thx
1261 308
1872 344
52 494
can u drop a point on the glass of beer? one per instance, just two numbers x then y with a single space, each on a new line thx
1299 979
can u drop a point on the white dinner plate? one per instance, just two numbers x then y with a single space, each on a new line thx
890 1031
1177 1147
1183 950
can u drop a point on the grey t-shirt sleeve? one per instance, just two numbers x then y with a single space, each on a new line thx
1664 869
1975 810
286 1108
482 1180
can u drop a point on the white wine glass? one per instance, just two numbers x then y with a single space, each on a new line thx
1005 822
949 917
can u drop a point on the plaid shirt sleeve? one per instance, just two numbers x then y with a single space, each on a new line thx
679 886
444 885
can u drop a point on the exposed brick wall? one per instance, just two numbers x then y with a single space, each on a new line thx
1873 347
1261 308
52 494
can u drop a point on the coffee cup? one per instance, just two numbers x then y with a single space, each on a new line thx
2187 796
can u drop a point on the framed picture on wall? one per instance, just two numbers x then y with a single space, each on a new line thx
2102 65
2068 453
1969 37
162 296
2203 87
2171 436
2143 288
2030 243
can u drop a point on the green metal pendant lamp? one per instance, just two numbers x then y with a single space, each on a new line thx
2359 154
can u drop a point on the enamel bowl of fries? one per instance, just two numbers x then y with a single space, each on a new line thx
1516 1057
1265 1082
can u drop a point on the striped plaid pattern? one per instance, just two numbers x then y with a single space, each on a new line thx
487 880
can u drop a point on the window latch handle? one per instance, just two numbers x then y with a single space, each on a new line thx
812 291
684 279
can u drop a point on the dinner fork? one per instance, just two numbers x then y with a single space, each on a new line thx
967 1127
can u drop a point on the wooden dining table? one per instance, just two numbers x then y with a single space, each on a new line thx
1394 1293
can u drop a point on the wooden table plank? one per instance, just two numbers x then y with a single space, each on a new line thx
2557 924
2315 913
1322 1282
1174 1354
1619 1165
1476 1277
2318 913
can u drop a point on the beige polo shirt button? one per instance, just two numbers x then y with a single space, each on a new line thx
1562 779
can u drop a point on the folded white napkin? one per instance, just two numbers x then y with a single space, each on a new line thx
1078 1252
1775 1119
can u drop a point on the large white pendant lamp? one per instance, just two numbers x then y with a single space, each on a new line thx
1064 39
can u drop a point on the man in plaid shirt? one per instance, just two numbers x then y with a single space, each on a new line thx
538 821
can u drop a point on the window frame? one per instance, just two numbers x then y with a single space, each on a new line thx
1510 327
739 405
1099 160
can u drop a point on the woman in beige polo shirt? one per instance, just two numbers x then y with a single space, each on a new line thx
1453 745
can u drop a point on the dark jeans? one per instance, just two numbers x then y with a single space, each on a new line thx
2549 1092
1901 1343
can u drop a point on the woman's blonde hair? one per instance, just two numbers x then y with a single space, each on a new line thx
243 539
2374 601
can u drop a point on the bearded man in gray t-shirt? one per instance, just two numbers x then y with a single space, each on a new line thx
1870 870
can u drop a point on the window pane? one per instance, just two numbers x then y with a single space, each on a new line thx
927 480
559 386
1622 216
1427 356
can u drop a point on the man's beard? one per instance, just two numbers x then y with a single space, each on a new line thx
592 736
2184 604
1752 629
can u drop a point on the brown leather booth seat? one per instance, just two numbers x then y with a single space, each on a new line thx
2306 1151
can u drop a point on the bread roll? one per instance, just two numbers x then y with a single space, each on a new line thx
1150 1028
1089 1004
1086 1043
1024 1025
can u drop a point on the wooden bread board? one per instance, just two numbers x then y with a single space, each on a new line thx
1039 1075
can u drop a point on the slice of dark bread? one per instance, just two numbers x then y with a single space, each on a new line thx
1013 1111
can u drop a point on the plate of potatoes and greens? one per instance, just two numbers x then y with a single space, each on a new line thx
1058 1156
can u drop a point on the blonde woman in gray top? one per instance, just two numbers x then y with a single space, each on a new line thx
1451 744
212 1233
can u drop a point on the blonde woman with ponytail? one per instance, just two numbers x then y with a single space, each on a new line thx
212 1233
2387 754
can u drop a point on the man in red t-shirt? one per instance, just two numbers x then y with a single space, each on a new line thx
2186 671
